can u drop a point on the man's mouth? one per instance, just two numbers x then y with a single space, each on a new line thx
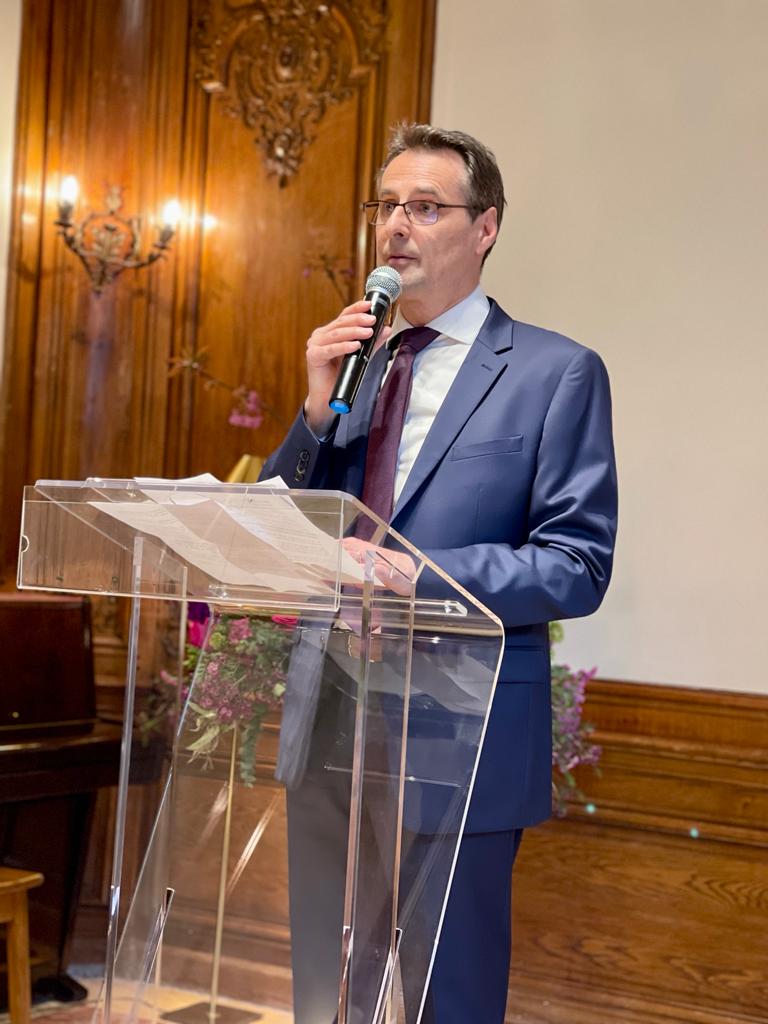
399 259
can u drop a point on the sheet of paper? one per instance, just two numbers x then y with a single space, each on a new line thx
277 521
227 560
203 479
248 532
164 491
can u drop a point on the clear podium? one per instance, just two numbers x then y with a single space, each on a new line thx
329 692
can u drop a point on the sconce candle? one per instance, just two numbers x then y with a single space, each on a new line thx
107 243
67 198
171 218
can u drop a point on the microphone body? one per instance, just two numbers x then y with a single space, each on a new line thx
382 288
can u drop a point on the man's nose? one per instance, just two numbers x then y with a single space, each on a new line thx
398 222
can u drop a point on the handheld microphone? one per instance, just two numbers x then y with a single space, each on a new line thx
382 288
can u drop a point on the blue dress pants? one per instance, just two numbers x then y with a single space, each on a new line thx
471 966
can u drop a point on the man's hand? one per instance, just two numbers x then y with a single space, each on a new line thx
326 349
394 569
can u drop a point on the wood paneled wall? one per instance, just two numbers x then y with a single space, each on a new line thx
653 907
266 120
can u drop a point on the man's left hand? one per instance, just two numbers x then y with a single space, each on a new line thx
394 569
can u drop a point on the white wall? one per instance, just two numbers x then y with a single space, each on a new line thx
633 138
10 33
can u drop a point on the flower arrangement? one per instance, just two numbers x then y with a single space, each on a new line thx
233 674
571 743
239 678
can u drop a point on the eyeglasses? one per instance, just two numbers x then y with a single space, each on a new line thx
419 211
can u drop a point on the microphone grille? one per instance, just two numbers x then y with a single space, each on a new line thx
385 279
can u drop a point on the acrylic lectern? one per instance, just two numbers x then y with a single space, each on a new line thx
325 730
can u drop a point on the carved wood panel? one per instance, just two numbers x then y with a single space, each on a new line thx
279 66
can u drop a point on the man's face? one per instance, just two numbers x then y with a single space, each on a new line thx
439 263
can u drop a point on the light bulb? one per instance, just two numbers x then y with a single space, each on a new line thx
171 213
69 190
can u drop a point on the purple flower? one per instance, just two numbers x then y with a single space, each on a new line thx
198 611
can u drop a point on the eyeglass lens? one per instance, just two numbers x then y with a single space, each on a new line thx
421 211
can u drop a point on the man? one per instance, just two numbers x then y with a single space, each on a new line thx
504 477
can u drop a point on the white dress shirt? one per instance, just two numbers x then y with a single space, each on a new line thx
434 370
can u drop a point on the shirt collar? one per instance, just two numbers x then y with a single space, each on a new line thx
461 322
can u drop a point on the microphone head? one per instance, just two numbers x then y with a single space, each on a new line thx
387 280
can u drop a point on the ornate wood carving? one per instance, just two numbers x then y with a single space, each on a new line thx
278 64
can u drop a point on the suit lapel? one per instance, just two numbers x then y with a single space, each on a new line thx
478 374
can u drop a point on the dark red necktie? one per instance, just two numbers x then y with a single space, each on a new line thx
387 426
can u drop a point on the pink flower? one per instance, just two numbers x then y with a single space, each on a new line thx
289 621
244 419
196 633
240 630
252 402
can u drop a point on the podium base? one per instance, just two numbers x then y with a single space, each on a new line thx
200 1013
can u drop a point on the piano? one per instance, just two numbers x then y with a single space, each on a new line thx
54 756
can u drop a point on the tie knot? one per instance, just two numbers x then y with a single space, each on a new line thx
417 338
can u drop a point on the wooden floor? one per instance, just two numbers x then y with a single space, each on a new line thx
155 1009
530 1003
539 1003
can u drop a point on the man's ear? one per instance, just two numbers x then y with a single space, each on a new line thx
488 227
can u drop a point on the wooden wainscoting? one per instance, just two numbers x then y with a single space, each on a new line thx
650 910
654 907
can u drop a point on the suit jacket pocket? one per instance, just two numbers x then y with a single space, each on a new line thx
499 446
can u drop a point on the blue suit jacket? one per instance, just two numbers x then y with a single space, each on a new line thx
513 494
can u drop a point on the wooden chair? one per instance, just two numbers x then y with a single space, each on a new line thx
13 913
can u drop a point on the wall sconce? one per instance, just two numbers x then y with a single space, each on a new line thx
106 243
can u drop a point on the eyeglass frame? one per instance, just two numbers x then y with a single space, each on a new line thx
375 203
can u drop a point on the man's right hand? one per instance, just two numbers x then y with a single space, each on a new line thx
326 349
